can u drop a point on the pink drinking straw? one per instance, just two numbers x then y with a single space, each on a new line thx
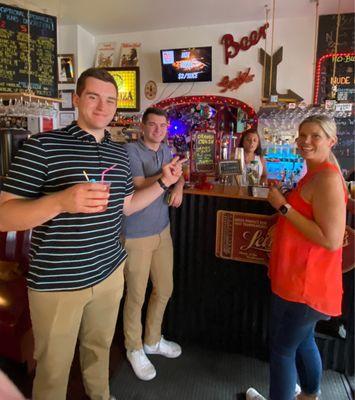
106 170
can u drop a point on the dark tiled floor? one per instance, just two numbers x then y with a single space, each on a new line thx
124 381
203 374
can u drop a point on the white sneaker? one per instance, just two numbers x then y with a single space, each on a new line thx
142 367
164 348
252 394
113 398
297 389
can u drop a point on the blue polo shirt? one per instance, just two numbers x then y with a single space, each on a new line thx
145 162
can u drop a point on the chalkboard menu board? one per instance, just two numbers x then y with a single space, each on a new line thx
17 26
344 150
343 79
342 67
342 64
327 34
204 153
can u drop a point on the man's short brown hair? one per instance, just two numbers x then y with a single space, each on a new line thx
97 73
155 111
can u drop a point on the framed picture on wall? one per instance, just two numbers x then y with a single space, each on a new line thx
127 80
129 54
67 100
66 66
66 118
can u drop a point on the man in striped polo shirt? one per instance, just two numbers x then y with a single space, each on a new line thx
75 277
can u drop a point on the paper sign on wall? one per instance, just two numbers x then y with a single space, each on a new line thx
105 55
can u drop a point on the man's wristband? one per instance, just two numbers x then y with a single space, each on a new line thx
162 184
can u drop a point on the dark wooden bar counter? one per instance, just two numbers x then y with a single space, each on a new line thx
224 304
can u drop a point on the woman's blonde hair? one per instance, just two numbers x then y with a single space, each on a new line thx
329 127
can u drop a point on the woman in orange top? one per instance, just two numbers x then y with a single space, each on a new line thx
305 264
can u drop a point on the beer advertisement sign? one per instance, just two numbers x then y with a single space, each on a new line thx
248 237
244 237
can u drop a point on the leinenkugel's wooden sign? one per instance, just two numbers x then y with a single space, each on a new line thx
244 236
248 237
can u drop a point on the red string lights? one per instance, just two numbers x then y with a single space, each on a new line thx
319 67
210 99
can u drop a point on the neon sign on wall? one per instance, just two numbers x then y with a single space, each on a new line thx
340 57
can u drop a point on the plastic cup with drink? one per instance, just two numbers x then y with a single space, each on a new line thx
102 181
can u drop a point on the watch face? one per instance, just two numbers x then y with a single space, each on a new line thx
283 209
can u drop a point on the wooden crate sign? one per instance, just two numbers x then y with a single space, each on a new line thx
248 237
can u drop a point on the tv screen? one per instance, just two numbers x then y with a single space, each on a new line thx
187 65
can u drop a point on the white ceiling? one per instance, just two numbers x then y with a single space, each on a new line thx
116 16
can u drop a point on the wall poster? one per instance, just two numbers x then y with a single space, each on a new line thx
127 80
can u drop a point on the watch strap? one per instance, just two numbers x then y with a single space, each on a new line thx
162 184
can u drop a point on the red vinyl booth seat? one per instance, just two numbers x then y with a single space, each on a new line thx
15 324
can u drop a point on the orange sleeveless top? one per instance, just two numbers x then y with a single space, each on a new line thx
301 270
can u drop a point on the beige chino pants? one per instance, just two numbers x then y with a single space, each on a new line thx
58 320
151 256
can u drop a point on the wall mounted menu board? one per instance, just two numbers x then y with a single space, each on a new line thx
343 78
204 152
344 150
327 34
16 27
342 66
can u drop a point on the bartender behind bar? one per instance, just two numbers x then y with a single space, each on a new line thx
255 172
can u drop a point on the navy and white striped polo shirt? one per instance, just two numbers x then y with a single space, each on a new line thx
72 251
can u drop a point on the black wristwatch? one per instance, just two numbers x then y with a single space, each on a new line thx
284 209
162 184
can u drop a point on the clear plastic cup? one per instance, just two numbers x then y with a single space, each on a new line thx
108 185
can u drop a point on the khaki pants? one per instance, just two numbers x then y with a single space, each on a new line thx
58 319
149 256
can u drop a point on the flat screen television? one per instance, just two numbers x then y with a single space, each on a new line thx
186 65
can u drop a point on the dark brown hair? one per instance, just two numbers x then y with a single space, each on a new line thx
258 150
155 111
97 73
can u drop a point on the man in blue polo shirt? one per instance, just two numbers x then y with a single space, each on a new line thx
75 277
149 247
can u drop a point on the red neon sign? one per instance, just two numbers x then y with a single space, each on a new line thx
318 69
